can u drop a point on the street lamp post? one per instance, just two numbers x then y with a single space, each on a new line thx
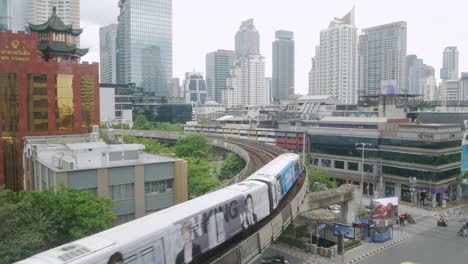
363 148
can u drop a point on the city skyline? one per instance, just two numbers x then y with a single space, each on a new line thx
424 30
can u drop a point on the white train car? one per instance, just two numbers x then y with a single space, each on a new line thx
280 174
179 234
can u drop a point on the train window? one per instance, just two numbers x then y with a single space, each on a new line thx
131 260
147 255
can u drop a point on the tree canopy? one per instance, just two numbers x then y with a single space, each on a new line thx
34 221
231 166
196 146
320 180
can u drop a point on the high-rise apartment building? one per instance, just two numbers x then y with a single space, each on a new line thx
39 11
246 84
247 39
420 78
195 88
283 66
108 63
449 69
144 44
218 66
12 15
382 58
335 66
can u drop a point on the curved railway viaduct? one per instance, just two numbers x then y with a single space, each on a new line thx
256 155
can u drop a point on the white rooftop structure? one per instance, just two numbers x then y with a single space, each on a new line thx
93 155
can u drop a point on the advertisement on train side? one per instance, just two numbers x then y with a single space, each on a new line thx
384 208
193 236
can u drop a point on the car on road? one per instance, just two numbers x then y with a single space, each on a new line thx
278 259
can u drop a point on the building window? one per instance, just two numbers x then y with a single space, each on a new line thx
9 102
64 102
326 163
92 191
158 186
122 219
339 164
88 104
368 168
121 191
353 166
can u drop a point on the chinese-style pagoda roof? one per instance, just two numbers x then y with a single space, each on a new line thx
61 47
55 24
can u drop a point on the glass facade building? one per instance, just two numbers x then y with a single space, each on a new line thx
395 152
39 97
218 66
283 66
144 44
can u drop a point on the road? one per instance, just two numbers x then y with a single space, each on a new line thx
428 244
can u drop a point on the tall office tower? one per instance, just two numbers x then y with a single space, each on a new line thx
335 66
247 39
108 63
195 88
218 66
382 58
144 44
420 78
428 83
283 66
414 66
449 69
39 11
246 84
12 15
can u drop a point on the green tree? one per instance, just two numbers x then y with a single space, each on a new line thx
152 146
199 180
320 180
231 166
196 146
141 123
34 221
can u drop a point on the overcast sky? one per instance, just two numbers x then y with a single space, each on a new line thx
202 26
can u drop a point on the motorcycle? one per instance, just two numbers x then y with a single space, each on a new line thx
463 232
410 219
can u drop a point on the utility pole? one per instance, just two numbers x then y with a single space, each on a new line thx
363 149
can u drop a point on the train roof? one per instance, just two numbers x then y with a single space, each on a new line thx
144 227
272 168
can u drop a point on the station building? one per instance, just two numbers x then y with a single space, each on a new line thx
44 90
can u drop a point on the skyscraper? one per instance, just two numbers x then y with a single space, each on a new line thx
144 44
12 15
247 39
419 77
218 66
246 84
449 69
108 63
283 66
382 58
334 68
38 11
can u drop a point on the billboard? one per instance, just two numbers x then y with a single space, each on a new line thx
464 165
347 230
388 87
384 208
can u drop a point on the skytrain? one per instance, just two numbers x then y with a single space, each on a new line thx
186 232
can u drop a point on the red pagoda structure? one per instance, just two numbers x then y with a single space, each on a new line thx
44 90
